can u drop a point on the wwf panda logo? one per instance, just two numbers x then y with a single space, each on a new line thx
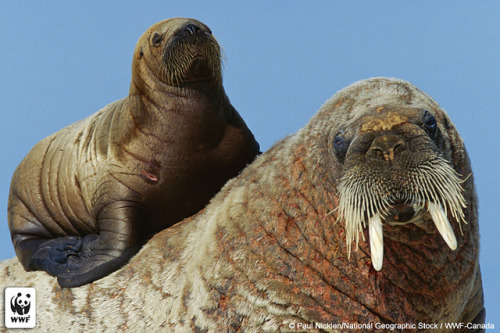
20 304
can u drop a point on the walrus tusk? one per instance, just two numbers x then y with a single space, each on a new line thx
377 237
442 224
376 241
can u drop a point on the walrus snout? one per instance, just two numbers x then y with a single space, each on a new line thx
386 147
191 54
191 29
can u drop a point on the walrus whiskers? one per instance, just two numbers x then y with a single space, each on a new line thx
433 184
178 60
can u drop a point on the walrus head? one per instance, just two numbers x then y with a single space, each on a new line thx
396 167
177 52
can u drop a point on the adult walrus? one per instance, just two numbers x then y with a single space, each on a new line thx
269 253
85 198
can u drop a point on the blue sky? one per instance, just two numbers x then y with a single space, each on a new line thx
62 61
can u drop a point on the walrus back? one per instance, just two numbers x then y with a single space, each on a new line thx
52 188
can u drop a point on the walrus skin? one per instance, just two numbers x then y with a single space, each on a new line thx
86 198
269 253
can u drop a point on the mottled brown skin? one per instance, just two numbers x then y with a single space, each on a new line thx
86 198
268 250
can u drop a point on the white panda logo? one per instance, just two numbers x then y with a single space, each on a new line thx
20 305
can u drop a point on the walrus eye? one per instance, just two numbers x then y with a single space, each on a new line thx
340 146
430 124
157 38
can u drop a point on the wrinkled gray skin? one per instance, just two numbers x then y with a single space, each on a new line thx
86 198
269 253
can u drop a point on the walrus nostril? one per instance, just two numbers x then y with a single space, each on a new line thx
386 147
191 29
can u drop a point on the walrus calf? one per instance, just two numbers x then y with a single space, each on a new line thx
270 251
86 198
